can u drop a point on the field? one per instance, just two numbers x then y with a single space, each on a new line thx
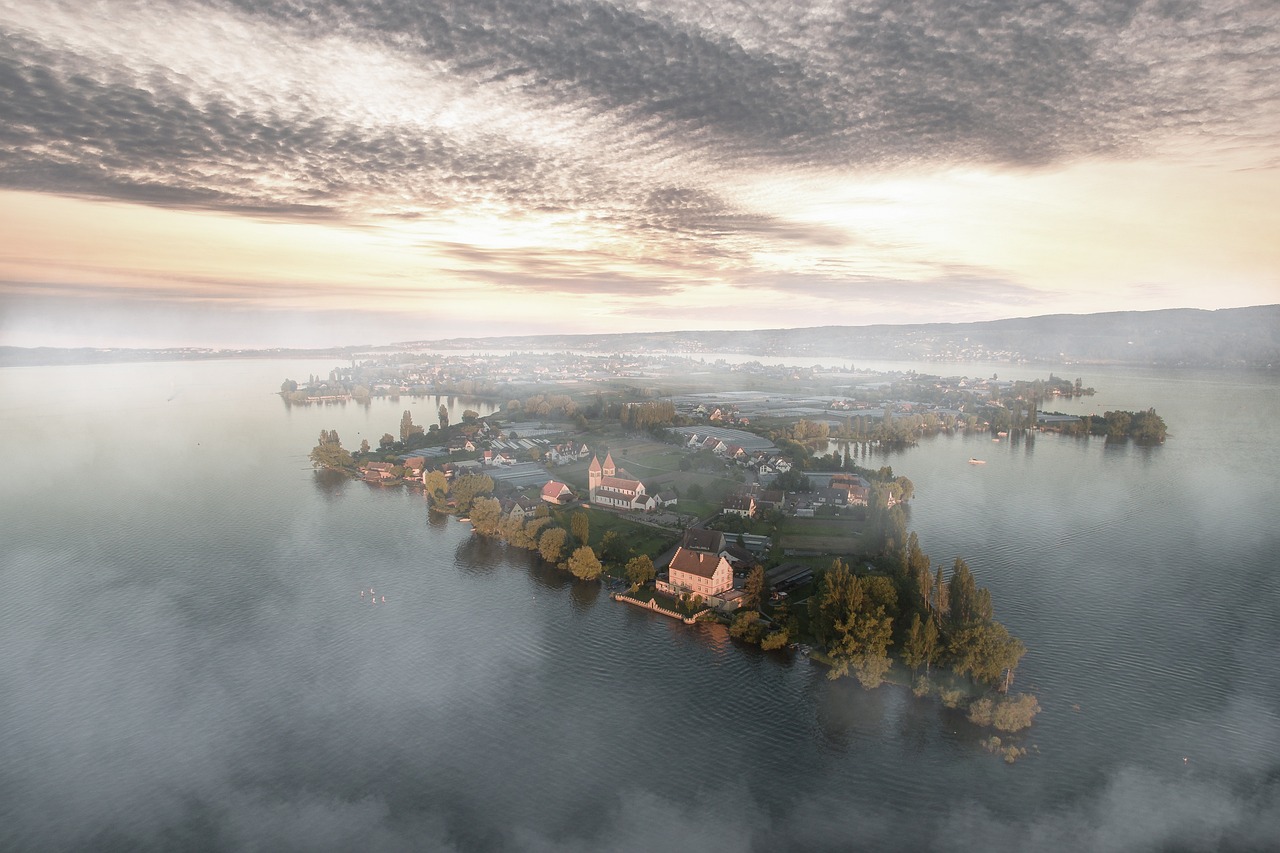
829 535
639 538
825 544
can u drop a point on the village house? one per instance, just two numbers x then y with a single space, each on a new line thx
380 470
743 505
856 488
521 508
557 493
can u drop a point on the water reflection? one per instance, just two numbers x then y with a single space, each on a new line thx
330 484
478 555
585 594
847 713
548 576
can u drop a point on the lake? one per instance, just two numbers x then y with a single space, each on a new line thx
188 661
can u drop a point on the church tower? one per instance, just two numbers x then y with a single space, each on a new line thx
593 474
609 469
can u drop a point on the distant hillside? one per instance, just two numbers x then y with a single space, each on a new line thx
1184 337
1235 337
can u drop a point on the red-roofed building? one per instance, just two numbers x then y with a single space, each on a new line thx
612 486
557 493
698 572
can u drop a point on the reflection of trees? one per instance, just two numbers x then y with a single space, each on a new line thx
848 714
546 575
479 555
330 483
585 594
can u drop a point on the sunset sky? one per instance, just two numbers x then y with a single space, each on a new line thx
290 173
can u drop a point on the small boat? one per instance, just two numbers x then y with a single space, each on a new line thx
973 461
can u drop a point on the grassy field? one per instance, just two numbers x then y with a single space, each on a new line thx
818 527
826 544
639 538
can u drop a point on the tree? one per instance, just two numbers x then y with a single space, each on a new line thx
862 644
839 595
467 489
437 485
486 515
921 643
407 426
775 640
443 413
364 445
941 595
584 564
694 492
919 570
470 415
386 441
512 531
580 524
907 489
551 543
986 651
754 589
287 386
612 548
329 453
964 595
640 570
746 627
1147 427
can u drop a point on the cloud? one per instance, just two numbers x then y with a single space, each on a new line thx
395 107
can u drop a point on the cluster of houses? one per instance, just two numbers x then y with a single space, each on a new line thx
554 493
567 453
721 414
410 470
762 462
842 490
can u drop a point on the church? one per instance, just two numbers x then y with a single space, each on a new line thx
613 487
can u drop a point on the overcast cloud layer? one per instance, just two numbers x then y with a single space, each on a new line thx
631 140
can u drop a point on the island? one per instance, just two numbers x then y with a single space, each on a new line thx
737 494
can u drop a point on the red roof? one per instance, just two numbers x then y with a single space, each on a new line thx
698 563
620 484
554 490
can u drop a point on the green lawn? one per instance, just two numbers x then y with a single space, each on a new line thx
639 538
826 544
818 527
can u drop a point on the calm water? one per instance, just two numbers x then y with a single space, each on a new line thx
187 662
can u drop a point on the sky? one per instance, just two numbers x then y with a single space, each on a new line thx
244 173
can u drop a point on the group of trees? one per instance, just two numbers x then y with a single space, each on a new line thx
462 494
567 548
1143 427
647 415
853 618
329 452
929 618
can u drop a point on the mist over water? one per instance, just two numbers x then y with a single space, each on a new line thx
188 662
